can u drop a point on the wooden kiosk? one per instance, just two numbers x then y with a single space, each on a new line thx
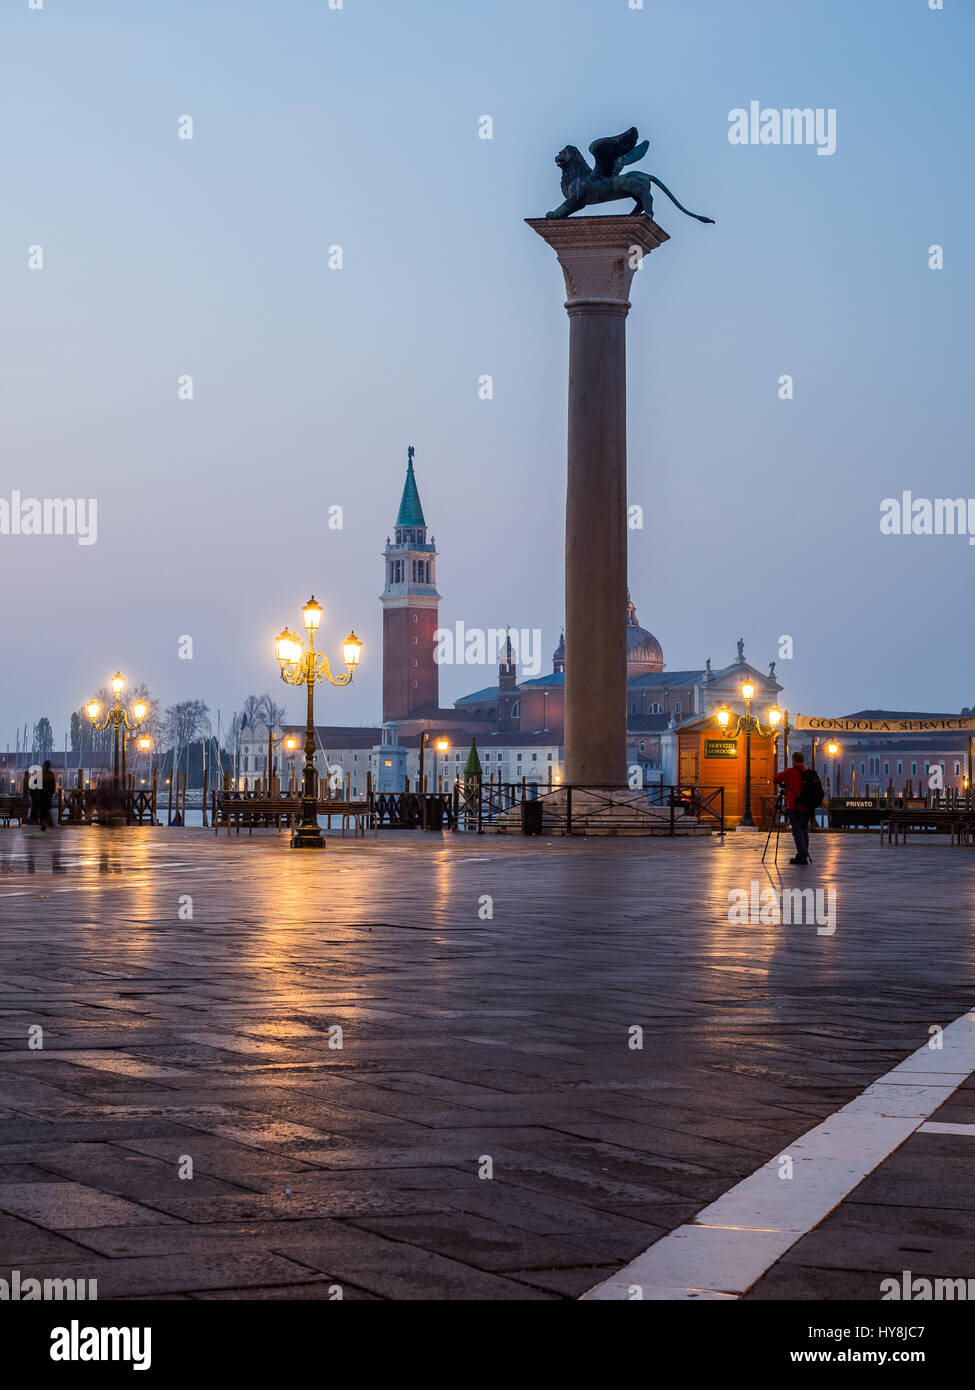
709 756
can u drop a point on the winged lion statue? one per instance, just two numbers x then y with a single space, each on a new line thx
582 184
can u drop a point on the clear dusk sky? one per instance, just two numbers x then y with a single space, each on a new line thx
358 127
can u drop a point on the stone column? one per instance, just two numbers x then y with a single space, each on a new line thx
598 256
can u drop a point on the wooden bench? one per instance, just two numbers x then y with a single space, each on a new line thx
358 812
261 811
955 821
267 811
14 808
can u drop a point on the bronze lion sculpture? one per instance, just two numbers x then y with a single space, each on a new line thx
582 185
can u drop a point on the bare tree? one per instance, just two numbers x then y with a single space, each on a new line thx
182 723
250 714
152 723
270 713
261 709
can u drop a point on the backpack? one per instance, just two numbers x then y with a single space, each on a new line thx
812 796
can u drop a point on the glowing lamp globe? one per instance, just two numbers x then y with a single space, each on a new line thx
312 613
288 646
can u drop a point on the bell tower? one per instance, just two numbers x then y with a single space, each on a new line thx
507 670
410 604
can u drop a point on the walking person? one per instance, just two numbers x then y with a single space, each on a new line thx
49 786
798 795
35 792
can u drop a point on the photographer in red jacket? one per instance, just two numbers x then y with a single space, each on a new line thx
791 778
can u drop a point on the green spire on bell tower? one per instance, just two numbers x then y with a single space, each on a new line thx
410 510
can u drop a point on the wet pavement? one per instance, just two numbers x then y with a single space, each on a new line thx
460 1067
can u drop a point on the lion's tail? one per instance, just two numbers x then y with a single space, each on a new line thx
664 189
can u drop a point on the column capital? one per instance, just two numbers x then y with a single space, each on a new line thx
599 255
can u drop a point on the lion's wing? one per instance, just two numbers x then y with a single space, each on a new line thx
634 156
608 152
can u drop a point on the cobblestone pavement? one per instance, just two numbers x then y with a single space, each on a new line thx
488 1127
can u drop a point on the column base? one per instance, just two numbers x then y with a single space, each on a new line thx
305 838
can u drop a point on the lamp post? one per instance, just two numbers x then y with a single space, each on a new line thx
441 744
118 718
833 749
305 667
289 741
144 745
749 723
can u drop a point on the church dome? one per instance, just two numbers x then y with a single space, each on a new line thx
644 653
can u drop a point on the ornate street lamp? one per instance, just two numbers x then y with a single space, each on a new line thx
441 743
750 723
118 718
301 667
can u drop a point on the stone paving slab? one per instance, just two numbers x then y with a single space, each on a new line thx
185 1272
465 1041
56 1205
916 1212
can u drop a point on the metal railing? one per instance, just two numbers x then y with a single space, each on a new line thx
413 811
106 806
658 809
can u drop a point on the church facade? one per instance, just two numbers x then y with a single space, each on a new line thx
530 712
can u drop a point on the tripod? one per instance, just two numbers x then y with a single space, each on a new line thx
774 824
776 816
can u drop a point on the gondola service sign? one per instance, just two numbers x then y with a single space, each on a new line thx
938 724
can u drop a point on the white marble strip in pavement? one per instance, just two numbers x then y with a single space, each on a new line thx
933 1127
734 1241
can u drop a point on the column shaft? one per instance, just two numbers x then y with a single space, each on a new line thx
595 548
